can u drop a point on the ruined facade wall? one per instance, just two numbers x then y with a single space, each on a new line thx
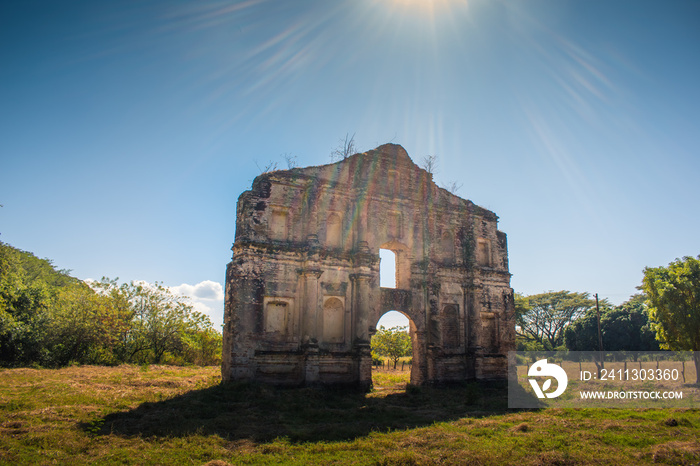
302 290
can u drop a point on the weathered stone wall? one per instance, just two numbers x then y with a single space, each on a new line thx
302 290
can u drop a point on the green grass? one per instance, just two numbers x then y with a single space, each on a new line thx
183 415
385 380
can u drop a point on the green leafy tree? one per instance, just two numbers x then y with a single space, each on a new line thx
160 320
161 325
83 327
623 328
49 318
673 294
124 339
25 305
524 342
542 318
203 344
392 343
627 327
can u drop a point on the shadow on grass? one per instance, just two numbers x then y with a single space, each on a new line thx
263 413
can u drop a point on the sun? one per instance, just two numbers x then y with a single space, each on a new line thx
427 4
426 8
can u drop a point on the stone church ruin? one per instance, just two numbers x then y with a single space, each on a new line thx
303 295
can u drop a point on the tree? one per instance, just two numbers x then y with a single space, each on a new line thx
160 323
49 318
291 160
627 327
542 318
673 295
345 149
121 329
203 346
453 187
83 328
24 317
160 320
623 328
270 167
392 343
430 163
25 306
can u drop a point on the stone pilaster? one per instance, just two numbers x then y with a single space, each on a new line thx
360 309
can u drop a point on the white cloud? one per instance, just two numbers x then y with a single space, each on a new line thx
206 290
206 297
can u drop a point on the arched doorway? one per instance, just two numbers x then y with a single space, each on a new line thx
393 349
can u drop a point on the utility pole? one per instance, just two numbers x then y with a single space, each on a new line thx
600 337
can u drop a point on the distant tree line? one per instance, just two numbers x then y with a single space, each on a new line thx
561 320
665 316
50 319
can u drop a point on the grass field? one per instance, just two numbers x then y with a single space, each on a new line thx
183 415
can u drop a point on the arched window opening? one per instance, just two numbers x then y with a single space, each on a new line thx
387 268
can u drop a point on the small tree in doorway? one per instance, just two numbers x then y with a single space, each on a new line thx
392 343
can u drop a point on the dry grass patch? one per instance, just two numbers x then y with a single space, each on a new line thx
522 427
677 453
389 380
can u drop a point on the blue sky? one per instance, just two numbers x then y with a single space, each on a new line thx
129 128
